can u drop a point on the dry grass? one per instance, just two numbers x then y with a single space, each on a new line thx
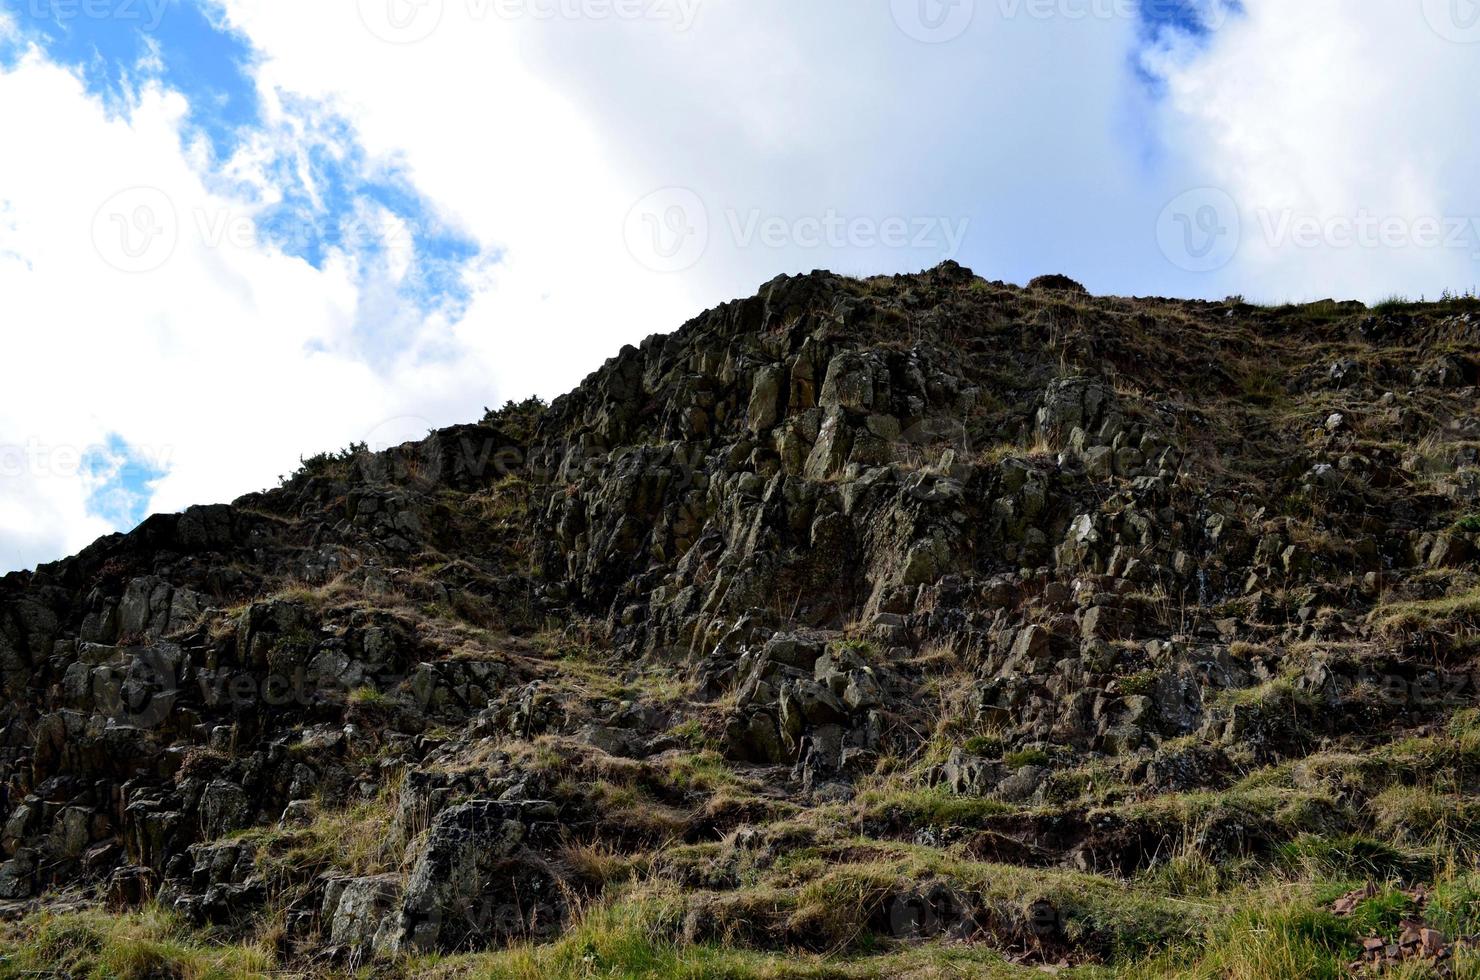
1456 615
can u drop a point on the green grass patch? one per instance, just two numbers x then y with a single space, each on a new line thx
928 806
1448 614
143 945
986 746
1348 857
1026 757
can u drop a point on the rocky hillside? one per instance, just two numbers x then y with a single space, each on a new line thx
918 626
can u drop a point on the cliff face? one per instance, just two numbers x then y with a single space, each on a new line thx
854 612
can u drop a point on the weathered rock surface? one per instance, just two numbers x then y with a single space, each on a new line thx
929 533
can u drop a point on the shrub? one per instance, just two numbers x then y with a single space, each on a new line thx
1026 757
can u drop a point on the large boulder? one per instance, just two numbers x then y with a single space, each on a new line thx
360 914
1070 404
478 883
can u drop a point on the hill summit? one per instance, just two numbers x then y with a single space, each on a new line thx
916 625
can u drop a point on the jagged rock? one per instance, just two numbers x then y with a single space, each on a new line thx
1022 784
1073 404
1450 551
818 529
1186 769
1032 645
478 883
967 775
1057 283
848 384
1100 623
214 883
129 887
755 737
765 398
805 702
224 807
17 876
613 741
361 913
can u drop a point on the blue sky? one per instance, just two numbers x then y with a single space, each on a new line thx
247 230
320 175
120 481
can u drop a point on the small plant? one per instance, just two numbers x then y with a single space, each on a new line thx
987 746
368 697
691 733
1138 684
1023 758
518 420
1261 386
337 465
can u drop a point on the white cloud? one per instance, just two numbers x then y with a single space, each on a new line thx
1344 130
228 358
522 169
543 133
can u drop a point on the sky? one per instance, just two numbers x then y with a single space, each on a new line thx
234 233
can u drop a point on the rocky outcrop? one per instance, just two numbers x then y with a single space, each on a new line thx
478 880
975 543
